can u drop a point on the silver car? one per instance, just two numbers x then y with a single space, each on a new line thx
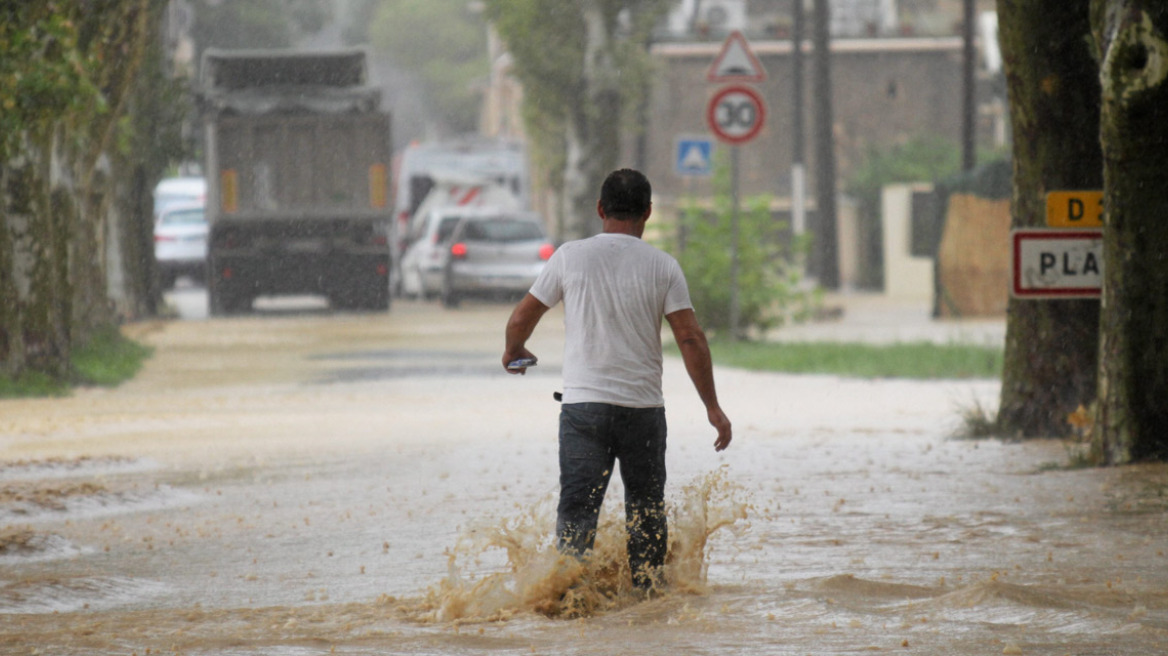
492 256
180 243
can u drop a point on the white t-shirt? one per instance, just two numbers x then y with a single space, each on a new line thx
616 288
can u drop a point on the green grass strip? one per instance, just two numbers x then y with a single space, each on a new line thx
31 384
107 360
917 360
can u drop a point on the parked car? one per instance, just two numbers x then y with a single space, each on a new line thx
179 190
423 261
494 255
180 242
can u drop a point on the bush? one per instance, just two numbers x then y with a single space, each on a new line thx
771 285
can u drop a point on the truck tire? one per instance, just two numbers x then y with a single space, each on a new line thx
377 298
370 295
224 301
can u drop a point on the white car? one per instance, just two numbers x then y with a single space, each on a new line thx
180 242
424 259
179 190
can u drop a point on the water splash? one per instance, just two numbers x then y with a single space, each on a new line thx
536 578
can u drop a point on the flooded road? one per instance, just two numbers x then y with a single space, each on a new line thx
297 482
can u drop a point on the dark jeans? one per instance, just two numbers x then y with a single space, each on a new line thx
592 437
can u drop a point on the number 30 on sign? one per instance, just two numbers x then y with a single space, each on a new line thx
736 114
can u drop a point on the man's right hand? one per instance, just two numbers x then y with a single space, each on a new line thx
523 320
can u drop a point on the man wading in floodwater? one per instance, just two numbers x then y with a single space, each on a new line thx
615 288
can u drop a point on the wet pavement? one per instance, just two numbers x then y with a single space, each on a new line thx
302 482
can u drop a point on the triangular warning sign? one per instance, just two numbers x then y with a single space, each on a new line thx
736 62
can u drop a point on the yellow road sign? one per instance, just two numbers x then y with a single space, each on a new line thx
1074 209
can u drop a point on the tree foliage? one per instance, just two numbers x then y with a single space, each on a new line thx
44 75
445 44
585 67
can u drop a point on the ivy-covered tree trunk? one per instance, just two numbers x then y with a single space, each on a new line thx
1053 86
1131 420
37 219
127 29
69 70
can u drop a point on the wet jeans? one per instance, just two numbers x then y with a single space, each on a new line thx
592 437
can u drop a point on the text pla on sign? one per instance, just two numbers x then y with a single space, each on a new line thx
1057 264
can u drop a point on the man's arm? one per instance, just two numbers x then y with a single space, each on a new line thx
522 323
695 351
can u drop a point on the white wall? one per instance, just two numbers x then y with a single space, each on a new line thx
905 277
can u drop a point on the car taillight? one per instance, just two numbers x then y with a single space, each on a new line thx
163 238
458 251
545 251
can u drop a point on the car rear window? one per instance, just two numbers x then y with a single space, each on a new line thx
446 227
502 230
183 218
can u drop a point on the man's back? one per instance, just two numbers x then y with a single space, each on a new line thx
616 288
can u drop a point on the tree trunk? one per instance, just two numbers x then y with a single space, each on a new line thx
1051 345
95 204
40 232
593 126
1132 412
11 344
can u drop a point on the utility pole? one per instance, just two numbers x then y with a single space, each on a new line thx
969 88
798 170
826 244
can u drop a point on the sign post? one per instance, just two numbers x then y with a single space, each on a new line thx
735 115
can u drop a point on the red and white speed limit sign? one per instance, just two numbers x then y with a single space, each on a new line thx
736 114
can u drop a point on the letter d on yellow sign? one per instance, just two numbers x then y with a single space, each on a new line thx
1074 209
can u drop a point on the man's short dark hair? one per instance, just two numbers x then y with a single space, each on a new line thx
626 195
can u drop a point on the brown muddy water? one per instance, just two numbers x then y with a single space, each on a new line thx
292 484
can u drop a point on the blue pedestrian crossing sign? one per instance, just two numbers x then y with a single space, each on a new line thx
695 156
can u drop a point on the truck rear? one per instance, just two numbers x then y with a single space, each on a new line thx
297 164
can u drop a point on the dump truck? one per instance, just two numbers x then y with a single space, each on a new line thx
297 155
